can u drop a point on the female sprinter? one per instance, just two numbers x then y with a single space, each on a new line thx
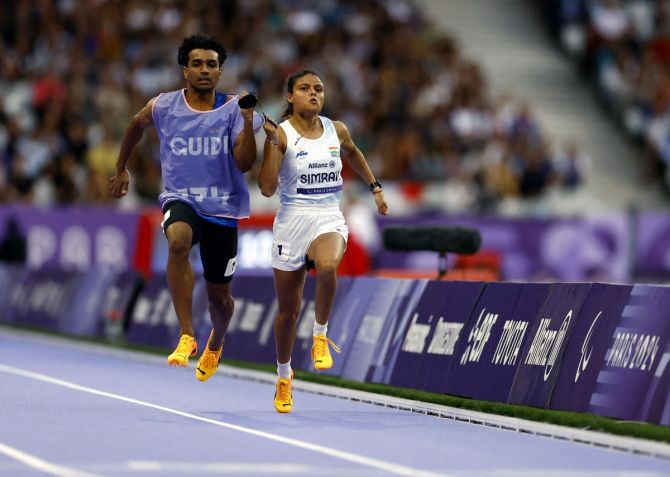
301 158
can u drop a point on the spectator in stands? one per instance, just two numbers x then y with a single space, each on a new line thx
13 244
301 158
207 144
537 171
609 21
570 166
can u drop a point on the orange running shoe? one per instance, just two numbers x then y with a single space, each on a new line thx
321 353
283 395
208 362
186 348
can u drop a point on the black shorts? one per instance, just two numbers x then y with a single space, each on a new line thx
218 243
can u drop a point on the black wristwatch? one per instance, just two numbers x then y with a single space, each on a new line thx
374 185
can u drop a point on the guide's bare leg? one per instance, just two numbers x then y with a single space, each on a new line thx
180 280
221 306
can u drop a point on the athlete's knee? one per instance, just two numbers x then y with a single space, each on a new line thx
287 318
326 267
179 247
322 265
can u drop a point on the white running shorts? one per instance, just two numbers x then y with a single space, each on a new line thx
294 230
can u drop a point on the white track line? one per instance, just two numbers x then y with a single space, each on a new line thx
225 468
42 465
343 455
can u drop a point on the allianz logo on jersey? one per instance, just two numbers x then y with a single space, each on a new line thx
321 165
199 146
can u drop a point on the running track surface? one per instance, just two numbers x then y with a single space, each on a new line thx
78 411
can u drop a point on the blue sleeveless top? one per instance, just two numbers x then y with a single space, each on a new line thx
196 153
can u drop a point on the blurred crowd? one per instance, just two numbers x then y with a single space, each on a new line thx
624 46
73 72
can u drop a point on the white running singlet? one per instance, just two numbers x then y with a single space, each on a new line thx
311 172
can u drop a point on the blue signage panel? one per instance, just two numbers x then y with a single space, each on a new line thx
432 334
154 321
351 298
493 339
585 354
393 338
370 345
255 312
633 379
543 352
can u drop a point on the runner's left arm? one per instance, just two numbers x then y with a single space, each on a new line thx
355 158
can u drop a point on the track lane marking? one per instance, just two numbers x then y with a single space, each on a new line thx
235 468
396 469
41 464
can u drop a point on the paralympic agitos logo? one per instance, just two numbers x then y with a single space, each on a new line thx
585 358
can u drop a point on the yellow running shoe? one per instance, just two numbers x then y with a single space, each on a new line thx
321 352
283 395
186 348
208 362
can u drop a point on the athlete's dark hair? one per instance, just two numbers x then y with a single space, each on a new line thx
290 84
204 42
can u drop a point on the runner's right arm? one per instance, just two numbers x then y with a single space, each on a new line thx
142 120
273 153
